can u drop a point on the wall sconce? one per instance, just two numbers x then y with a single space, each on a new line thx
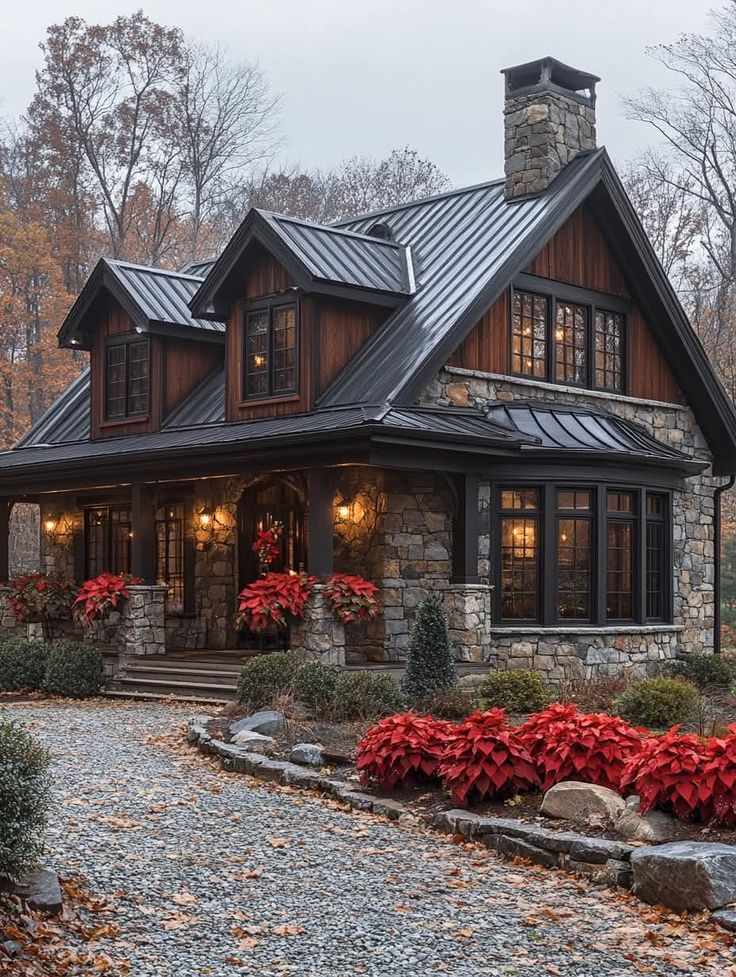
50 526
206 517
344 508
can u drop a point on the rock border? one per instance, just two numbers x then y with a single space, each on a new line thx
599 859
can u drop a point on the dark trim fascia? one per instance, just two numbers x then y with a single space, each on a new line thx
572 293
574 457
102 277
189 333
631 475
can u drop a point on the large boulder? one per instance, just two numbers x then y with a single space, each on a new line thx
268 721
654 827
576 801
686 875
41 890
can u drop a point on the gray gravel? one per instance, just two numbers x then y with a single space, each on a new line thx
214 874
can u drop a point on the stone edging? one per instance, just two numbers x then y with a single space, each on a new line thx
594 858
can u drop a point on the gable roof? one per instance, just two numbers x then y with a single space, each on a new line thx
319 258
155 299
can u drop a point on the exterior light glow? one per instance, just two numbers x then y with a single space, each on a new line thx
50 525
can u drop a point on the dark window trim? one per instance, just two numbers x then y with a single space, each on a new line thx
593 301
127 340
270 303
87 510
599 518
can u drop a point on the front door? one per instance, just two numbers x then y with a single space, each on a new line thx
260 508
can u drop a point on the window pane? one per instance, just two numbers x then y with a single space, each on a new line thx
620 570
529 335
573 568
170 553
138 378
609 333
519 568
284 349
620 502
256 354
115 382
655 556
120 540
655 504
520 498
95 542
573 499
571 343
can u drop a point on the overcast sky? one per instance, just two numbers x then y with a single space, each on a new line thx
365 76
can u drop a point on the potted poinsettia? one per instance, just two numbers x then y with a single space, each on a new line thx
273 599
41 601
98 598
351 597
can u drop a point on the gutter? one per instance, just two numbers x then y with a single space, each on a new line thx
717 562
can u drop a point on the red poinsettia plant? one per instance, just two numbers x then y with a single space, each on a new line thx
402 750
266 544
44 598
667 774
351 597
101 595
274 598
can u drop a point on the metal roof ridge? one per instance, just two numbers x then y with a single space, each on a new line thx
454 192
120 263
332 229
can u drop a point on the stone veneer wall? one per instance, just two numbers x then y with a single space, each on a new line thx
583 652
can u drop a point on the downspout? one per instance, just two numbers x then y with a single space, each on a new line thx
717 562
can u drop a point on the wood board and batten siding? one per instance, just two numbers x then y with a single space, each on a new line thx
577 255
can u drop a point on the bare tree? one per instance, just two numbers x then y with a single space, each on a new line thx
228 119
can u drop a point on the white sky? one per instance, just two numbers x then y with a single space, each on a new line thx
365 76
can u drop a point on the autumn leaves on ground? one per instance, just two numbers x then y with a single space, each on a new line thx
176 867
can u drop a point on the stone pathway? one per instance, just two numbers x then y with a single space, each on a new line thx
215 874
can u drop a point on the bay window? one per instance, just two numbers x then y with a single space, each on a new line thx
583 555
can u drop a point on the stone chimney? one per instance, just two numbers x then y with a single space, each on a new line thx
549 118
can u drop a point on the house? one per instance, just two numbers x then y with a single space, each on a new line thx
492 394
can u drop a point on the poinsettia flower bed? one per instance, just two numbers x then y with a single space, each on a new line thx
402 751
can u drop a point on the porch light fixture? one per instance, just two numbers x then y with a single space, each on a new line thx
344 508
50 526
206 517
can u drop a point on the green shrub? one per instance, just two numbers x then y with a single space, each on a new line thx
264 678
430 662
73 669
704 670
658 703
515 690
314 685
24 790
366 695
22 664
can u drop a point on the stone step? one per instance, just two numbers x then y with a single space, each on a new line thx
212 676
157 696
160 665
181 687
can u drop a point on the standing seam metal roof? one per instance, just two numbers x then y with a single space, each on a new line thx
163 296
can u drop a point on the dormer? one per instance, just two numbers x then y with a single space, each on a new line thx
147 352
300 300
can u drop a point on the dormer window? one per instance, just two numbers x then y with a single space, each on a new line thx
270 351
127 371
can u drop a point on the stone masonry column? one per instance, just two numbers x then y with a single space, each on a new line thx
141 630
320 634
9 627
468 610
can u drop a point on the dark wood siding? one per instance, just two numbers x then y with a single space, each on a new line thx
577 255
186 364
114 321
343 327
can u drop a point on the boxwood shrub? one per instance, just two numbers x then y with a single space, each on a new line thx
73 669
24 797
264 678
658 703
366 695
314 685
22 665
516 690
704 670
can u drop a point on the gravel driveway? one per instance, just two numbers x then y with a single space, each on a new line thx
214 874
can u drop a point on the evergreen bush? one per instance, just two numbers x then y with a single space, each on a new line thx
314 685
366 695
22 665
24 795
267 677
704 670
658 703
73 669
514 690
430 662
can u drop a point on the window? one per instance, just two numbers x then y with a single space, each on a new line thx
574 537
107 536
571 343
583 554
554 332
520 554
529 336
127 379
170 521
656 556
270 352
609 360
